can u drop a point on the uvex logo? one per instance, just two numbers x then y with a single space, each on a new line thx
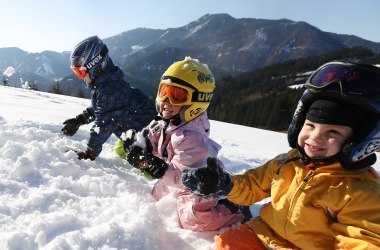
94 61
204 97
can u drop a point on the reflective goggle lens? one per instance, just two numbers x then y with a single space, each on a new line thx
354 79
79 72
176 95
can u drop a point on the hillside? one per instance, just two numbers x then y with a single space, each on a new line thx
262 98
229 46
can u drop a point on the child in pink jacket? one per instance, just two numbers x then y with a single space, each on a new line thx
177 139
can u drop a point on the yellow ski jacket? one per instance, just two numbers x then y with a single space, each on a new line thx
325 208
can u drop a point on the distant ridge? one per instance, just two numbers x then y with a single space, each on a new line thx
227 45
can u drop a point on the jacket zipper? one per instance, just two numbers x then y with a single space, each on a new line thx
164 151
296 196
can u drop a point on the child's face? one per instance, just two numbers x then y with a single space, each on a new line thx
322 140
168 110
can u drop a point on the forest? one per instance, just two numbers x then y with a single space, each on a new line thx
266 98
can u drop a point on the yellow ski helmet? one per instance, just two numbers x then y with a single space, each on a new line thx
188 83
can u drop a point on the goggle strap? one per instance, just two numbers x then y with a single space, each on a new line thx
178 81
201 96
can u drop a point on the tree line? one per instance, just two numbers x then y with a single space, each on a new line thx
55 88
263 98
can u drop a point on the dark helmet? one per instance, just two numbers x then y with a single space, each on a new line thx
91 54
357 84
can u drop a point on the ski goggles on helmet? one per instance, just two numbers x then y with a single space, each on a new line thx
80 72
177 94
349 79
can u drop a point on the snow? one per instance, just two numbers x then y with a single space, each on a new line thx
9 71
51 200
45 69
296 86
195 29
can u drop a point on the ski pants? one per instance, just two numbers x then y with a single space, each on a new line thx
240 238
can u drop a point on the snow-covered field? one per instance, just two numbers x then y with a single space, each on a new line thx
51 200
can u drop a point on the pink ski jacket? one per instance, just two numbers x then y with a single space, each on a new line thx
187 146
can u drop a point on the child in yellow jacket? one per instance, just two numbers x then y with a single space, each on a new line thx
324 192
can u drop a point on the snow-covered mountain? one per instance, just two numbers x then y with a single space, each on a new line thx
51 200
228 45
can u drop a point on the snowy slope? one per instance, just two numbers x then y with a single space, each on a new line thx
51 200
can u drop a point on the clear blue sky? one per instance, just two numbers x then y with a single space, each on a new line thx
37 25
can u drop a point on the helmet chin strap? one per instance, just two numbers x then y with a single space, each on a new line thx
307 161
175 120
339 157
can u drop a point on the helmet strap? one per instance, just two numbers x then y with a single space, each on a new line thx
175 120
341 158
316 161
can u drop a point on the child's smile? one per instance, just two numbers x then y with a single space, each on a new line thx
322 140
168 110
313 148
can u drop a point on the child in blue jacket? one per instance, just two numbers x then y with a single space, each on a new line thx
115 105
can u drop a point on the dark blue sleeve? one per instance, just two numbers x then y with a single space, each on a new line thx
89 114
117 107
104 124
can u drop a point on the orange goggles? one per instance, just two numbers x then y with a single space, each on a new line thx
80 72
177 95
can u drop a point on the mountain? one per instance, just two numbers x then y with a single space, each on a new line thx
227 45
267 97
42 67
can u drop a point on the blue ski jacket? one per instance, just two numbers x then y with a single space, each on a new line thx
115 108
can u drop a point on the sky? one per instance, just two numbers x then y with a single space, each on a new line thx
35 26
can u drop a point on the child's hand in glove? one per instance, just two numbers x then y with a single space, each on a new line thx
128 139
132 138
147 162
210 180
88 154
72 125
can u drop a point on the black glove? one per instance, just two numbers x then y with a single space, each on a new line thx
145 161
129 140
86 155
72 125
210 180
132 138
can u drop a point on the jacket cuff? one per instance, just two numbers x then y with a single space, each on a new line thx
229 184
